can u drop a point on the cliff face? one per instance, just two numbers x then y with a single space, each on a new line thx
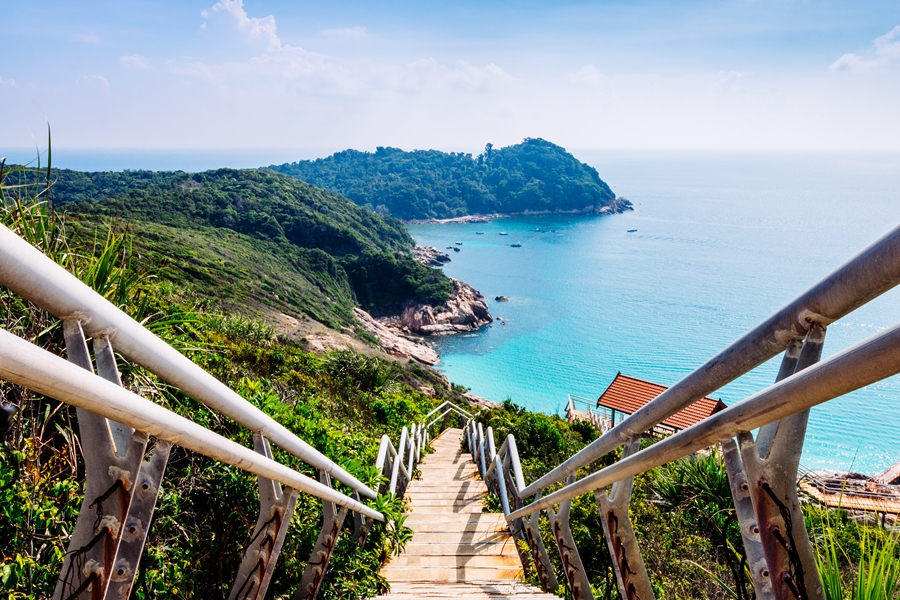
466 310
396 342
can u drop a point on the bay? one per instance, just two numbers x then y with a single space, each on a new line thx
723 240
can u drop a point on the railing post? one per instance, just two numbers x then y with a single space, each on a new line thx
501 485
568 551
361 525
398 460
542 562
482 464
631 574
746 516
332 521
411 461
137 525
490 454
740 492
771 464
275 509
112 464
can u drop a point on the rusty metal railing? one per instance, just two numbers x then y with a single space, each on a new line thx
121 488
762 470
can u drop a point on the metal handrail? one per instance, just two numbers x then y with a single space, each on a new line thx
32 275
453 406
869 274
25 364
762 472
867 362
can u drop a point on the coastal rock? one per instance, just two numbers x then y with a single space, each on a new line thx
479 401
396 342
617 205
466 310
431 256
501 299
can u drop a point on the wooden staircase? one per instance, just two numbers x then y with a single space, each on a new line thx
457 549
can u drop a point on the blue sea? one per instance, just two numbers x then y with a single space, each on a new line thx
723 240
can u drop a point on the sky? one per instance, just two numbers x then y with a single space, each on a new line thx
233 74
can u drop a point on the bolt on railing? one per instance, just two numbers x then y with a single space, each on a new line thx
762 471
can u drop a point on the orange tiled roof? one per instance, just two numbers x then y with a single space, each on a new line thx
628 394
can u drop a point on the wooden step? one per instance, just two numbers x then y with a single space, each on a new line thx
455 543
479 517
451 573
423 499
470 591
461 537
505 547
454 561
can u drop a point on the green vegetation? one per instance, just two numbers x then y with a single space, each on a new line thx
254 239
532 176
341 403
686 525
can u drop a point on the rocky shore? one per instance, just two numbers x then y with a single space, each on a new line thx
616 206
466 310
395 341
431 256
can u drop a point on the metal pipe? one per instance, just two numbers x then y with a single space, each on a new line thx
398 462
445 403
504 497
516 464
27 365
481 443
444 414
871 360
490 440
501 452
382 452
867 275
32 275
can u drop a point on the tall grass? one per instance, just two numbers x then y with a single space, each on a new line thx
877 572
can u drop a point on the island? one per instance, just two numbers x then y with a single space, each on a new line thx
533 177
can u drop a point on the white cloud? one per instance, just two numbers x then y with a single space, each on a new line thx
135 61
98 80
88 39
346 32
8 82
291 70
886 51
255 28
589 76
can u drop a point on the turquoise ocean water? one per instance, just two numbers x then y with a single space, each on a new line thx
722 241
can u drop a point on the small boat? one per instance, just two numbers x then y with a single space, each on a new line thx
503 233
459 243
516 245
449 247
632 230
479 233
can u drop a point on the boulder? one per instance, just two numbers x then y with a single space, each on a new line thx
466 310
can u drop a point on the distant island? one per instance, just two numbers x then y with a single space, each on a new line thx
534 176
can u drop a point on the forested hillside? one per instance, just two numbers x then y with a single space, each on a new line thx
341 403
256 238
535 175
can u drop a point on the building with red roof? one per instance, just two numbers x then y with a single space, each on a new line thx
625 395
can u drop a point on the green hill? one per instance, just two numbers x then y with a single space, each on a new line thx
256 238
423 184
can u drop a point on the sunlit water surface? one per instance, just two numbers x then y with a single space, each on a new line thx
722 241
